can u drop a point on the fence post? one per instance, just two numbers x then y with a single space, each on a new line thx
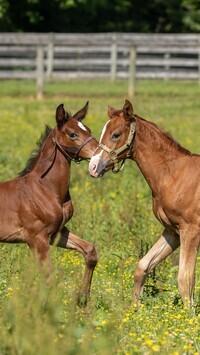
40 72
132 69
50 56
113 58
167 66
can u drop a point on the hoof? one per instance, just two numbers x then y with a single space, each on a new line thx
82 301
135 306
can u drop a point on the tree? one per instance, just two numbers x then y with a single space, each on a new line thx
191 18
100 15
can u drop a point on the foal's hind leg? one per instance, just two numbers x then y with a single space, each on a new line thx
165 245
68 240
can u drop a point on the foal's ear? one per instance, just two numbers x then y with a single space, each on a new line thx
128 109
60 116
81 113
111 111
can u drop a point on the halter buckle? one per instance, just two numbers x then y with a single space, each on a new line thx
113 155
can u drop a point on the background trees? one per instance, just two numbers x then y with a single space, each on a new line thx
100 15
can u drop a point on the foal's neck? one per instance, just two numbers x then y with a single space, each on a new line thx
156 153
53 169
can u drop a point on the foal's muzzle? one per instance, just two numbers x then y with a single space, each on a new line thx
97 168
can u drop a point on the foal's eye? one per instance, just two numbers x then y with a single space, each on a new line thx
73 135
116 135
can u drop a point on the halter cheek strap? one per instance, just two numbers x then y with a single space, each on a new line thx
113 153
66 151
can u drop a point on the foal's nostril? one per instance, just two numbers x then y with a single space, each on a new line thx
94 167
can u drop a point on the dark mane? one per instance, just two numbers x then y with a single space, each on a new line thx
171 141
31 161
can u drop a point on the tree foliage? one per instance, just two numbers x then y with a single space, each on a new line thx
100 15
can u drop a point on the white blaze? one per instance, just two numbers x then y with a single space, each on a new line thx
103 131
81 126
94 162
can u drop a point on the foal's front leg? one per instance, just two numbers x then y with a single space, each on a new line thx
165 245
40 248
190 241
68 240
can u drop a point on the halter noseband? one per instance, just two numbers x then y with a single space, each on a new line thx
66 151
114 153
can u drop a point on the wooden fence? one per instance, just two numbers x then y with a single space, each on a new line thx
106 55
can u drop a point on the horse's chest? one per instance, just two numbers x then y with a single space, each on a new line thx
60 214
66 213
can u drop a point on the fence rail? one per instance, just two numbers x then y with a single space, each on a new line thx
103 55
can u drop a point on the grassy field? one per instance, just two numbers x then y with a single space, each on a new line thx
115 213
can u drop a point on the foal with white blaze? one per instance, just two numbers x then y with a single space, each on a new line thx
173 174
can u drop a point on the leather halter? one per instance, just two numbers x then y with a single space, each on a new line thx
113 153
66 151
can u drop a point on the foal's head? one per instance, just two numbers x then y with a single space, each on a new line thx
115 141
72 136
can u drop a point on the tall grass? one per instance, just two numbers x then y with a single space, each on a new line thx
113 212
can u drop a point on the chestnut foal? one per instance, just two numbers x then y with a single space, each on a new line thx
36 205
173 174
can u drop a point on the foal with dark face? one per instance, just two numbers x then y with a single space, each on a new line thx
36 205
173 174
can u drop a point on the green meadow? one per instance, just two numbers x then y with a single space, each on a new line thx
113 212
